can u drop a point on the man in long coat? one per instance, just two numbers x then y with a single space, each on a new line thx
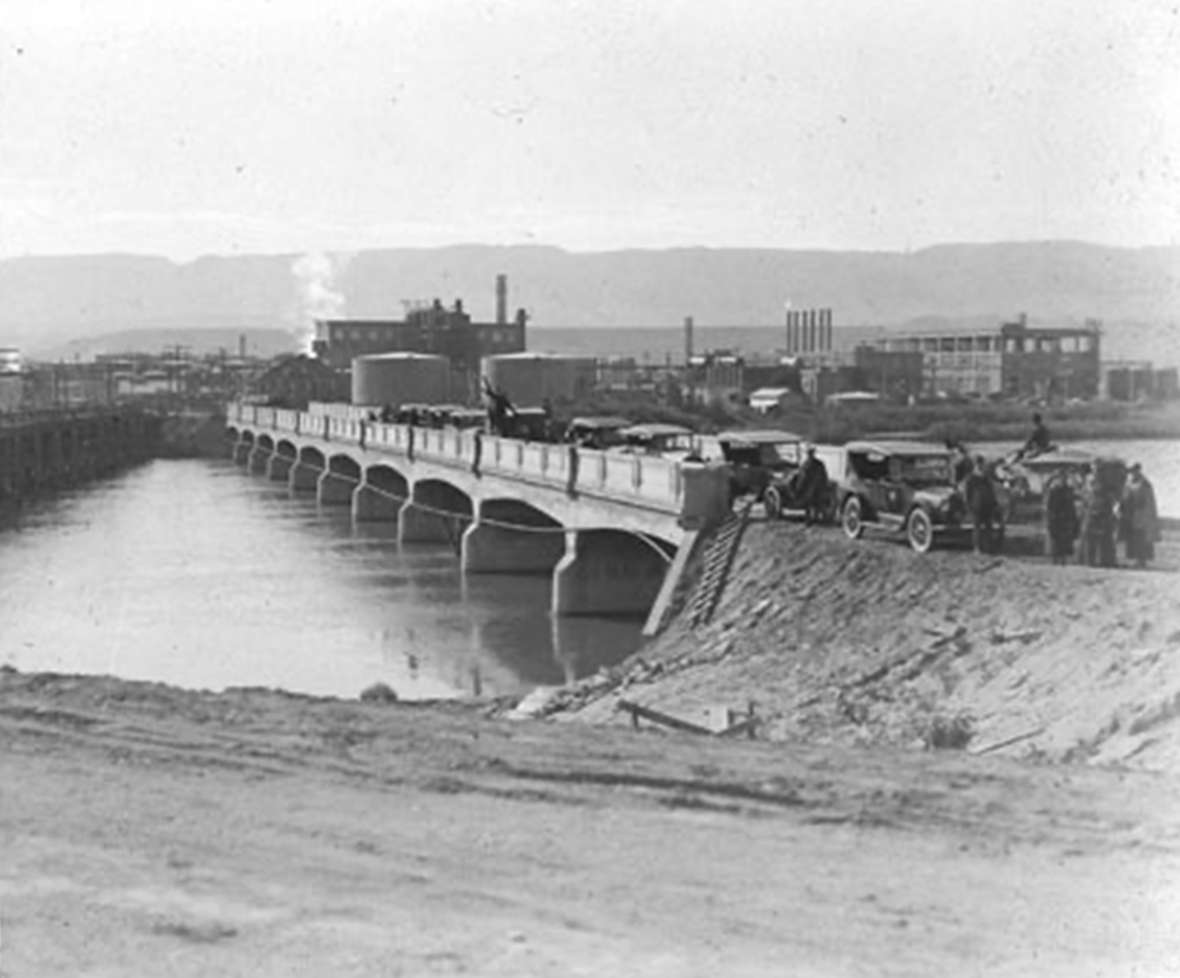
1139 520
1061 518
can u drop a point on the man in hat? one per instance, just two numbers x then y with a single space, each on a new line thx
1138 517
1061 517
813 487
1098 522
980 494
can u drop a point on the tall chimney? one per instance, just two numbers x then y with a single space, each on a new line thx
687 340
501 300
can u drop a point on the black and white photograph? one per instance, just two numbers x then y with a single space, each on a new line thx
540 488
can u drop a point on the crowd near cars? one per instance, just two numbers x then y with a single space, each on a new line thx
919 492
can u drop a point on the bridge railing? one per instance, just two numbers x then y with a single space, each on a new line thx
652 480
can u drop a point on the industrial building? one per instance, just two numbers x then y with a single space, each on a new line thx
1015 360
431 329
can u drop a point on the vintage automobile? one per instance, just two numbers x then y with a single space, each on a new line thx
467 418
783 494
598 432
900 486
530 424
657 439
1022 479
758 458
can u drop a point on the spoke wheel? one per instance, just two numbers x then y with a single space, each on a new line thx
919 530
850 519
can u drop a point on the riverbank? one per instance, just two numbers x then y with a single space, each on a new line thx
148 829
867 643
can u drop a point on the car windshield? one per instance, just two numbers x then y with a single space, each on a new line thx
921 468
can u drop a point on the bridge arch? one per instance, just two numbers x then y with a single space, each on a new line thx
278 468
305 473
436 512
260 454
242 446
338 481
383 491
610 572
511 536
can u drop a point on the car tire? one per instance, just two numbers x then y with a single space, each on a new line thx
919 530
772 501
850 519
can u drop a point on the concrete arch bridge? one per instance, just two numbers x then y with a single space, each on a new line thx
613 530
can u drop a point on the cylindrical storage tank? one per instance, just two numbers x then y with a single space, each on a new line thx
400 378
530 379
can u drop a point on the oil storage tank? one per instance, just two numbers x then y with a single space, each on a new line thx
400 378
530 379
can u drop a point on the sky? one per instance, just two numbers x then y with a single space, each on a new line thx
211 127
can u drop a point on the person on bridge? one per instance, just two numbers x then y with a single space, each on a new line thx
500 410
1061 517
1138 517
1039 441
983 506
813 487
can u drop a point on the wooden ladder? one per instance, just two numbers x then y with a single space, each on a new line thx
718 560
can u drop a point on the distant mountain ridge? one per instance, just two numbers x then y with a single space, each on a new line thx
46 302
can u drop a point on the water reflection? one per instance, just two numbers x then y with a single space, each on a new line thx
198 574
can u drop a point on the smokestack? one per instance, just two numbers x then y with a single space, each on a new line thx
242 346
501 300
687 340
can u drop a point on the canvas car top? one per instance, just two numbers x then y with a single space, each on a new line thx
898 448
654 430
759 436
600 421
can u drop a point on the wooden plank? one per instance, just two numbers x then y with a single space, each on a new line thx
638 712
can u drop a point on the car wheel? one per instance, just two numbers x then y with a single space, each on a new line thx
919 530
772 500
850 519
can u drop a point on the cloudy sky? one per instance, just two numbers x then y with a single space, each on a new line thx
246 125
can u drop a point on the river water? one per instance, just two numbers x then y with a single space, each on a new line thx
197 574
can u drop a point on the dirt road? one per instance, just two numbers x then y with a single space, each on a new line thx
149 831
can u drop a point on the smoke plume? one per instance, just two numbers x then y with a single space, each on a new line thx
316 293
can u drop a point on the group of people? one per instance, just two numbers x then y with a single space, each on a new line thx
1101 513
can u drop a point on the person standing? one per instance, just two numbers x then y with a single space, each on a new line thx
813 487
980 494
1139 519
1061 518
1098 522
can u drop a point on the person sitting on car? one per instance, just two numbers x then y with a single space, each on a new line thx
813 487
1039 441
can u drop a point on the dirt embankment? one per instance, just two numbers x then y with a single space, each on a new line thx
869 643
147 830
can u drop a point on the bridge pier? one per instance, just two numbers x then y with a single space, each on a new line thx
278 469
607 572
370 502
241 451
303 477
417 525
491 547
257 462
435 512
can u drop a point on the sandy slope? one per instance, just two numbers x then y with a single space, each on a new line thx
867 642
149 831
